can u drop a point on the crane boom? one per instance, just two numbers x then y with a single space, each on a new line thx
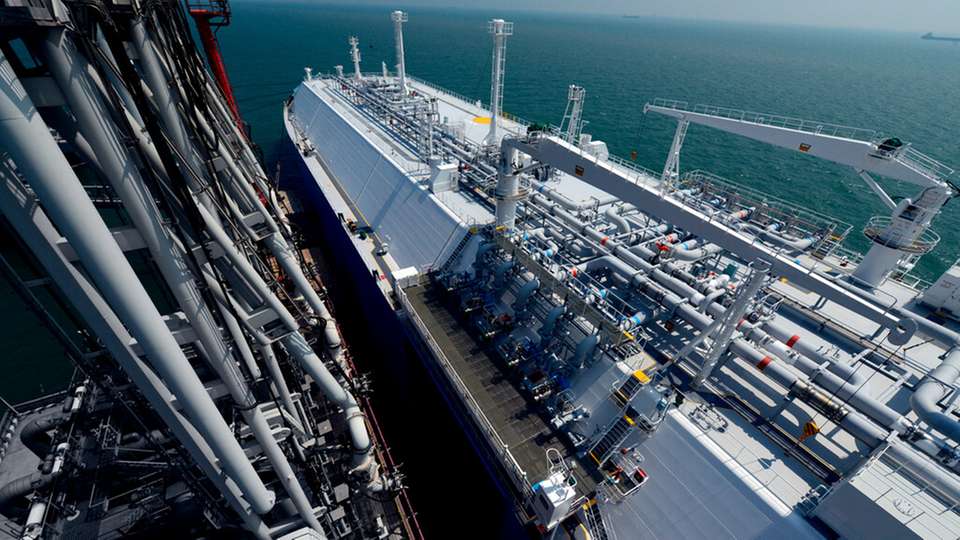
853 147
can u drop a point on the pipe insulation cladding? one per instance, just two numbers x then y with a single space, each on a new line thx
27 139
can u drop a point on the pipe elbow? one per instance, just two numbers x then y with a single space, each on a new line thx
924 400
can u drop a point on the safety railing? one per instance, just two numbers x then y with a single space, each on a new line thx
924 164
799 218
924 243
442 90
500 448
651 176
472 101
787 122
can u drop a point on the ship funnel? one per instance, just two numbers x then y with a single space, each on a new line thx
398 18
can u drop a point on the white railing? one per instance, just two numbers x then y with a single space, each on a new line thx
472 101
501 448
443 90
924 243
924 164
634 167
787 122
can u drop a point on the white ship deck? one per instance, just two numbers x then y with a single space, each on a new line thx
738 482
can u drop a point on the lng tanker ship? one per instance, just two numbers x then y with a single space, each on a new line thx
648 354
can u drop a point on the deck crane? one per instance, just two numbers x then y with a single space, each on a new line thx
898 240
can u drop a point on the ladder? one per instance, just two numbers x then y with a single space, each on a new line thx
629 388
614 436
826 246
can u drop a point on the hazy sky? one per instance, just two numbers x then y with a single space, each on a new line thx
940 16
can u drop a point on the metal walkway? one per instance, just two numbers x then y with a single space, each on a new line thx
514 417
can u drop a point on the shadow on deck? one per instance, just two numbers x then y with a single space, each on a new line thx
515 416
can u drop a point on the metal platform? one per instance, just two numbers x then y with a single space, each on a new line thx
513 416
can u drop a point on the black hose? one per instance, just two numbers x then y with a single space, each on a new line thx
23 486
35 435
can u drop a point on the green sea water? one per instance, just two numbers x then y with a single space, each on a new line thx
891 82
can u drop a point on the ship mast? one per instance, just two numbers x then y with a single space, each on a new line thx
355 56
500 29
398 18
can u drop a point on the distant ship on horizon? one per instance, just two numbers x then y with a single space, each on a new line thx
930 36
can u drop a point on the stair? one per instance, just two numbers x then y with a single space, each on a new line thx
614 436
629 388
458 250
826 246
595 520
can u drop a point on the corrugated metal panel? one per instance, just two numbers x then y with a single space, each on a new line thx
408 217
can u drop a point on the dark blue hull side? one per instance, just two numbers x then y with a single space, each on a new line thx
428 429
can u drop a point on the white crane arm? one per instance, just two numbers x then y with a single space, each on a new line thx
847 146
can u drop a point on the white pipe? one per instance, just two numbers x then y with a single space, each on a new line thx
399 18
507 191
240 263
38 232
167 105
695 254
73 74
29 142
931 390
364 463
841 387
618 220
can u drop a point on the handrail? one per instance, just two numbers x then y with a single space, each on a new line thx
924 164
787 122
513 118
923 244
634 167
501 448
815 218
443 90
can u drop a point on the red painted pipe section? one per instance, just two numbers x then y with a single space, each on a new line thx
202 18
